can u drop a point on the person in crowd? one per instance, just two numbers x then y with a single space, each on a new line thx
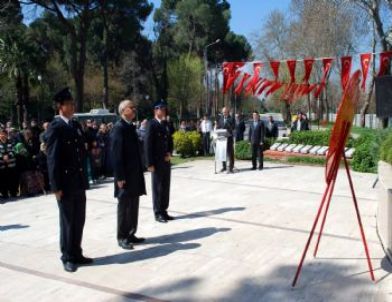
170 124
42 163
227 122
239 127
103 140
42 136
183 127
256 139
206 129
96 160
129 182
158 146
9 183
35 129
272 128
300 124
31 180
192 126
65 149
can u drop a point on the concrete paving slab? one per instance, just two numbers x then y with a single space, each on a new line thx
237 237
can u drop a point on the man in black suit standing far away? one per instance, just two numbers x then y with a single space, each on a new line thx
256 138
66 154
228 123
159 148
128 168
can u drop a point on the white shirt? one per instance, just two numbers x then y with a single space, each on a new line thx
299 125
206 126
66 120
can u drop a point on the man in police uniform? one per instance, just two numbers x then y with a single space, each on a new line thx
159 147
66 153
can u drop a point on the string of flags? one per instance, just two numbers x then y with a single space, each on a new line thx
251 83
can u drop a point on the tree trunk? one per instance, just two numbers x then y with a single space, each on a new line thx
105 63
19 99
26 96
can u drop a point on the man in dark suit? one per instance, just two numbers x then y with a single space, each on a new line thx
256 138
128 175
159 148
272 128
227 122
66 153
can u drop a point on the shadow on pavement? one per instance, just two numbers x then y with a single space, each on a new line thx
210 213
12 227
148 253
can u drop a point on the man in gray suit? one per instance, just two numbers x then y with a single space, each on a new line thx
256 138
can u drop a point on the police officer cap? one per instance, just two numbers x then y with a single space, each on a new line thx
160 104
63 96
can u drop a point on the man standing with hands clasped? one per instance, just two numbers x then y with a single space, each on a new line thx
129 182
66 154
159 147
256 138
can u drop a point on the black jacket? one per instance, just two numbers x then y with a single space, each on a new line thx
157 143
256 134
304 126
274 131
126 159
229 125
240 129
66 156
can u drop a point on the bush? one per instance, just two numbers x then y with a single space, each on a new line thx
187 143
386 150
243 150
314 137
367 150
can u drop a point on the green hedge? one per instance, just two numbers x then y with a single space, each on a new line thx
306 160
243 150
187 143
367 150
386 149
314 138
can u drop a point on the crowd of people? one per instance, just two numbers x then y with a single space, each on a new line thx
23 166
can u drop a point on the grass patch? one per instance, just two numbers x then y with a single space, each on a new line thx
306 160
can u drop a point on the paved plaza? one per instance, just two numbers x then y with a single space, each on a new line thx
237 237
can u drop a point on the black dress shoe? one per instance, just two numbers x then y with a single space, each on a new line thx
230 172
261 168
253 168
160 218
84 260
70 267
126 245
223 170
168 217
135 239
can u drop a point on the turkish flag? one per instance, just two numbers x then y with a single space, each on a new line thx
256 77
275 68
385 62
275 87
263 86
291 65
240 86
227 67
365 64
252 90
230 74
346 69
327 63
308 69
